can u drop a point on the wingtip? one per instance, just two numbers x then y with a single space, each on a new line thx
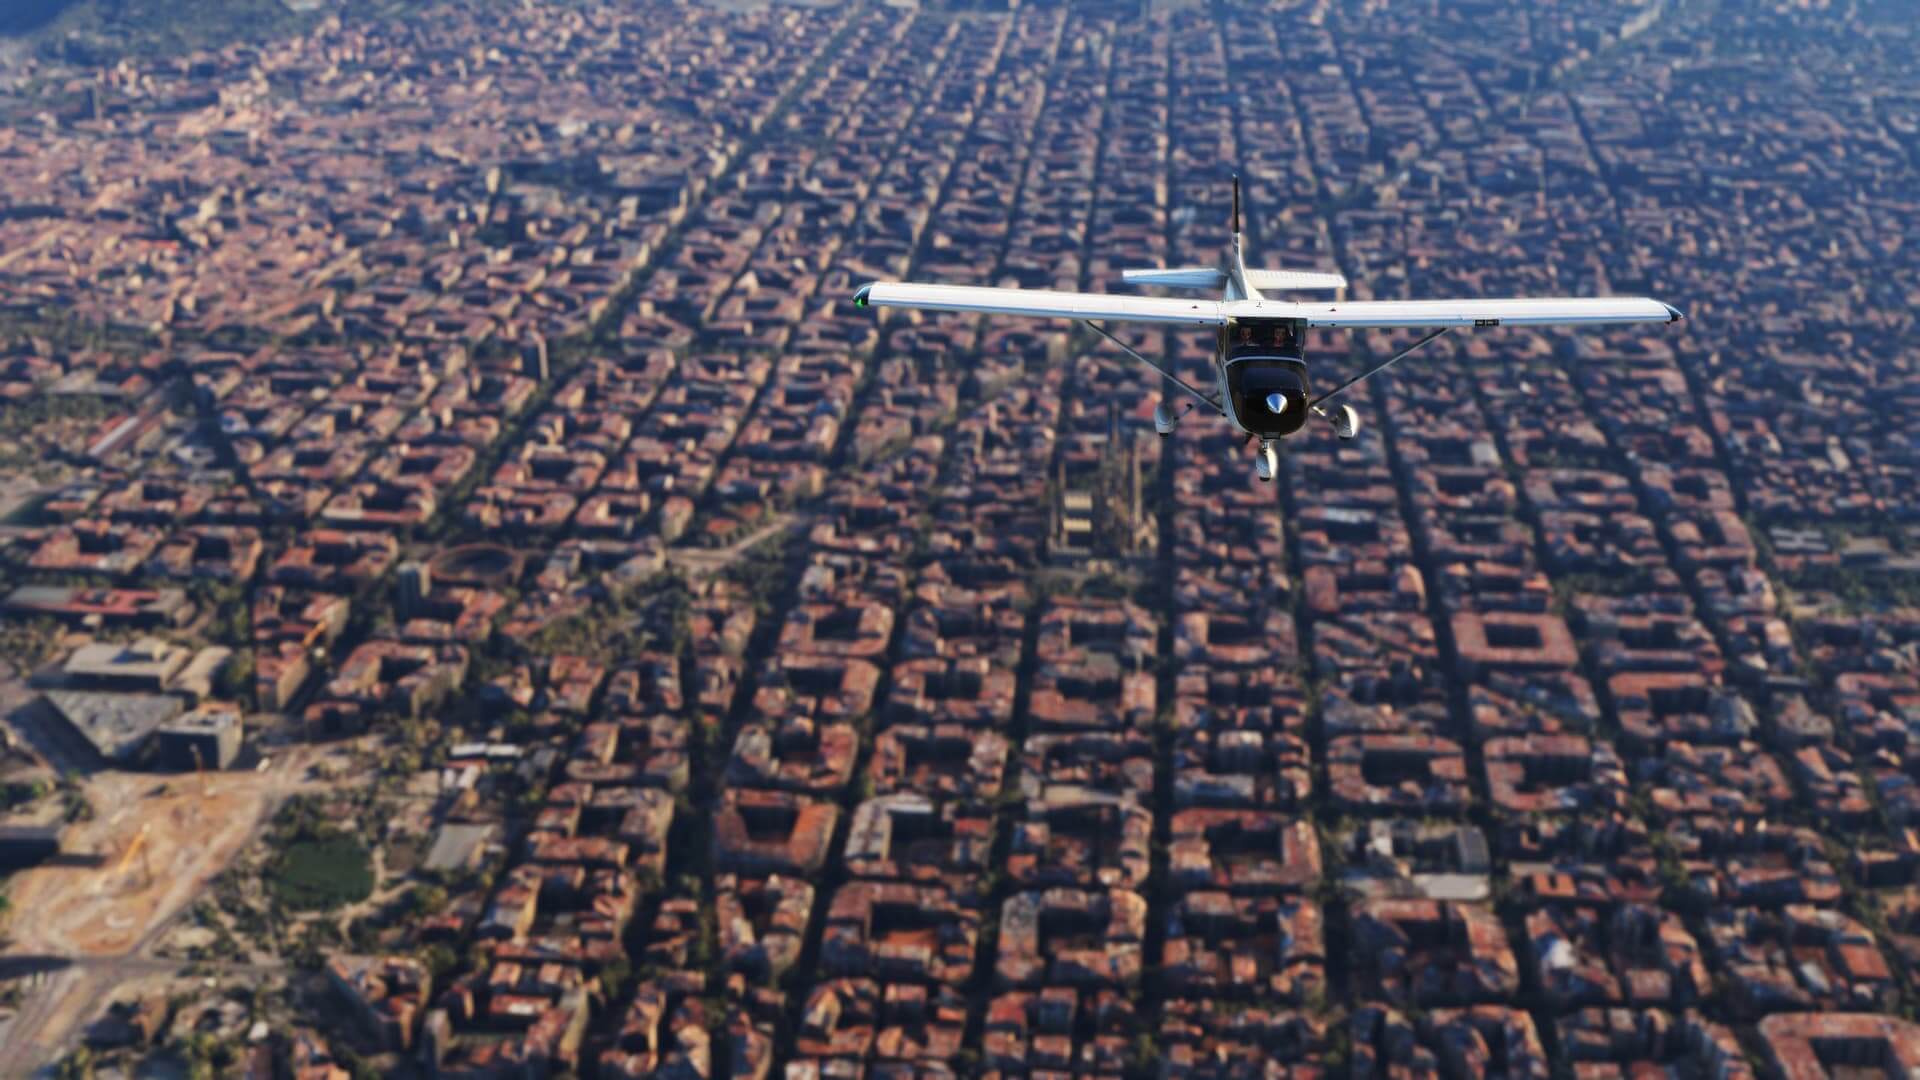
1674 314
860 294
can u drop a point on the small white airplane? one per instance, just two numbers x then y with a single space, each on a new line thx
1259 353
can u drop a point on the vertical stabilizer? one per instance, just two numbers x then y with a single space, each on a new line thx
1238 288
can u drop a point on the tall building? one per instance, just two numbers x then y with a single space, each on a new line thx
533 356
415 585
1098 506
204 738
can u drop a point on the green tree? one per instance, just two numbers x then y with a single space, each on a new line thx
439 959
613 976
403 762
429 899
76 1066
197 1049
236 676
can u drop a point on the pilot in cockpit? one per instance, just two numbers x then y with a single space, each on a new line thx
1266 339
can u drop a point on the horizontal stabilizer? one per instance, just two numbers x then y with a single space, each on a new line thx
1294 279
1184 277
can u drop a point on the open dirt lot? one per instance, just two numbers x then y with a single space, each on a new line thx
73 908
90 908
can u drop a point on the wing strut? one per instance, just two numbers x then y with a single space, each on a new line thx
1315 403
1177 380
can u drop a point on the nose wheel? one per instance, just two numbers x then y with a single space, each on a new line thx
1267 465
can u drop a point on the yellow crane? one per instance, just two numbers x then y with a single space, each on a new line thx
137 844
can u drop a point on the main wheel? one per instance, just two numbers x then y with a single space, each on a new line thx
1346 422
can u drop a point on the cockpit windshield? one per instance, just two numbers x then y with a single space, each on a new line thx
1263 337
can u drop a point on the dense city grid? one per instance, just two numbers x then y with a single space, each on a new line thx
671 669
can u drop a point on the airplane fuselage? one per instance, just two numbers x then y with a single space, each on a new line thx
1263 390
1260 364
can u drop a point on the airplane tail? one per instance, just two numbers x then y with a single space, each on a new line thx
1206 277
1193 277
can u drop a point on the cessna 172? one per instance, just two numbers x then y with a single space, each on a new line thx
1260 364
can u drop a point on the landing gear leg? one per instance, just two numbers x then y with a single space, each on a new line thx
1345 421
1267 465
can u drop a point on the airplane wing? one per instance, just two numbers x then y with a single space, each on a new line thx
1041 303
1581 311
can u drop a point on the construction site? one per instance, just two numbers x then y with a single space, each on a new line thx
152 844
147 848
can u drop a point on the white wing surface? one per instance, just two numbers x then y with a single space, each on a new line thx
1041 303
1437 313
